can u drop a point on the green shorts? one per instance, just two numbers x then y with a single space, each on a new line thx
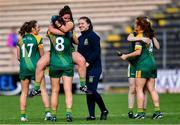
131 71
60 73
146 74
28 76
146 69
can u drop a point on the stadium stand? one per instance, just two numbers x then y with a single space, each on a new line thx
166 23
107 16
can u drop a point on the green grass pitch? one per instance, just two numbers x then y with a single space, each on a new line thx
116 104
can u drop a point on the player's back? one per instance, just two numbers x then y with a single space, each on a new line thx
146 58
60 52
29 52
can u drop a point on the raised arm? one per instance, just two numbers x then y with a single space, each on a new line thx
55 30
156 43
65 28
75 39
133 38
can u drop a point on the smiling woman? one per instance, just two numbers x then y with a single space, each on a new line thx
89 47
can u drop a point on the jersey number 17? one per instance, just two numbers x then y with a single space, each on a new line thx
24 51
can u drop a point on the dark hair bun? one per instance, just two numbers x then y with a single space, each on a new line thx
67 7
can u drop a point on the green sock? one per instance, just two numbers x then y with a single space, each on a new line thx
36 85
144 110
53 112
157 109
47 109
140 110
23 113
68 111
82 81
130 109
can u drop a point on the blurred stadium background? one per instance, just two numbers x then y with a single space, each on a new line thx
113 20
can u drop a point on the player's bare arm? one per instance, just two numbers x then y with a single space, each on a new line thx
54 30
156 43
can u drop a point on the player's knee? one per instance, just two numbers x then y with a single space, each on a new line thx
151 89
43 88
81 62
132 90
68 91
40 66
139 89
55 91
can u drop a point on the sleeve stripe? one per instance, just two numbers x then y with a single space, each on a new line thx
138 47
41 46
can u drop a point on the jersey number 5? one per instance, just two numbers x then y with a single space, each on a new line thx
24 49
59 44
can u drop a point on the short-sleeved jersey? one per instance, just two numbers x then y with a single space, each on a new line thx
145 65
143 62
133 60
60 52
29 53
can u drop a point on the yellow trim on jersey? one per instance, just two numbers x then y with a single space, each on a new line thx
138 47
75 38
41 46
20 42
70 23
138 74
140 35
48 32
38 38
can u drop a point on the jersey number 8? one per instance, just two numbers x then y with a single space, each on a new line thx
59 44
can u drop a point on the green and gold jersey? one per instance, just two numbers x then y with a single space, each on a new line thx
133 47
146 65
29 53
147 51
60 52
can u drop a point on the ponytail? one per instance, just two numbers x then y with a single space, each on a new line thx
149 30
23 29
145 25
27 27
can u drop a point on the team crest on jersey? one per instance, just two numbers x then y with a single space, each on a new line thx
91 79
86 42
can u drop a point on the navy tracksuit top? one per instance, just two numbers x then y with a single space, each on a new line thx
89 47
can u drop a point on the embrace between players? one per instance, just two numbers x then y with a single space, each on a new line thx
60 59
142 69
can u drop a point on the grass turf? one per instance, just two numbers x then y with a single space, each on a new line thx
116 104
